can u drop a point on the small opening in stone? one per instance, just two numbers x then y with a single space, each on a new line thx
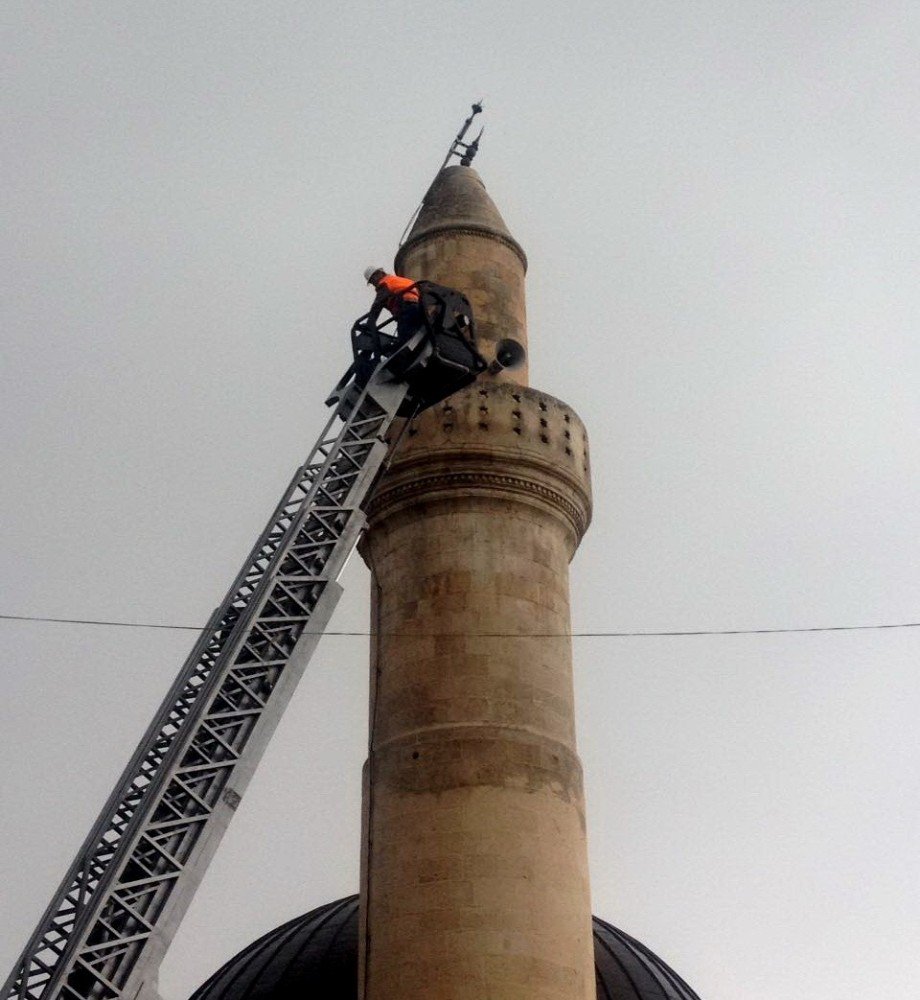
482 426
542 422
543 406
544 439
415 754
517 430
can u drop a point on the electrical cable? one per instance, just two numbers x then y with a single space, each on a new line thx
499 635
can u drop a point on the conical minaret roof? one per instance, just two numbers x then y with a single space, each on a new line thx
458 200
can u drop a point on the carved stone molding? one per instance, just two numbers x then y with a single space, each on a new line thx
454 230
495 441
530 486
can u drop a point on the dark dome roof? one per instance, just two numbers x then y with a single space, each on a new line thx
321 949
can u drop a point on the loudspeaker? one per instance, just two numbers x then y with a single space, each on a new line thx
509 354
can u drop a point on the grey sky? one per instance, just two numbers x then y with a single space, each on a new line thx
720 206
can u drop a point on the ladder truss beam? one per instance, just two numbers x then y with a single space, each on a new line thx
132 880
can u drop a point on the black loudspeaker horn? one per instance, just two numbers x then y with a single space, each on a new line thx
509 354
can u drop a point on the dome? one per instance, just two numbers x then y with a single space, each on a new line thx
320 949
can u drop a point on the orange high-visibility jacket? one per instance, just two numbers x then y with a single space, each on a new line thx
400 290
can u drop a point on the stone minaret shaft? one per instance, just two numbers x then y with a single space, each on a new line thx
474 881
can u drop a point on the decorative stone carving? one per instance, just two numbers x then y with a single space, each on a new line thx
492 440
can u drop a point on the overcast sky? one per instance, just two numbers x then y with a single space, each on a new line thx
720 204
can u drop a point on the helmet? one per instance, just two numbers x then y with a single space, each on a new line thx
369 272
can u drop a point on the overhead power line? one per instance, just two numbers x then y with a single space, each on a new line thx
498 635
95 621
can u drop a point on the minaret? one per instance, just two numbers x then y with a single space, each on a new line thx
475 880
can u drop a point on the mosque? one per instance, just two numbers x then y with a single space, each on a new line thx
474 875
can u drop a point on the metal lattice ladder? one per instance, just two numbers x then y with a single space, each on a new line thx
119 905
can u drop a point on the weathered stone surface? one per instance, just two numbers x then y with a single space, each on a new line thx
457 201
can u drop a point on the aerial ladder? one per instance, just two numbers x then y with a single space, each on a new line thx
109 924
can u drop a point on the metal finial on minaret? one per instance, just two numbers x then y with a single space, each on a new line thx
466 151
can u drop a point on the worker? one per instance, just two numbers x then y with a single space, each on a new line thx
399 296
